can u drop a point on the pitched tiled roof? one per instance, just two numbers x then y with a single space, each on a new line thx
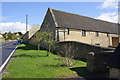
114 60
69 20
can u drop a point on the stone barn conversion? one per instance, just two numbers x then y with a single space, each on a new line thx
72 27
85 34
92 34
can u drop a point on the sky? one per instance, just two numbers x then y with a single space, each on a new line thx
13 13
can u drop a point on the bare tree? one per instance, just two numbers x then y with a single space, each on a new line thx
68 54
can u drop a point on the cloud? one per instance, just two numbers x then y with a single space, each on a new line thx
13 27
5 18
1 19
110 17
109 4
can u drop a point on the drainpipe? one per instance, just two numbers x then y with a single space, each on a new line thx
57 34
119 32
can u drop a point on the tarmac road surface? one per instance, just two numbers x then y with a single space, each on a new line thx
6 49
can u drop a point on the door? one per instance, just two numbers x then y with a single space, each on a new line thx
115 41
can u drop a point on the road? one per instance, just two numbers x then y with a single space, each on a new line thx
6 49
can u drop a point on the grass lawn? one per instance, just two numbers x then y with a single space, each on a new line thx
6 41
28 62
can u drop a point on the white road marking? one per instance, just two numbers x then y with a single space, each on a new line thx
3 65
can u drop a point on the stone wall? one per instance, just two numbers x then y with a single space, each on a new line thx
48 24
80 48
25 37
96 61
115 73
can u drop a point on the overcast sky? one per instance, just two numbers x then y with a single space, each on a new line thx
13 13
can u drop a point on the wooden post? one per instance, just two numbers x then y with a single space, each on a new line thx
64 34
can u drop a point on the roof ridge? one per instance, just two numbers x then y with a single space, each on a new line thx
83 16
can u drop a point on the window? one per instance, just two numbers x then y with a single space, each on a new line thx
98 44
83 33
68 31
97 33
107 34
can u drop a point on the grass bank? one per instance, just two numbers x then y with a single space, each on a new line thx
28 62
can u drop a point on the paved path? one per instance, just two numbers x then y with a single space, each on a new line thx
6 49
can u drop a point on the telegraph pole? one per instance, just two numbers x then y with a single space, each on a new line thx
26 22
119 20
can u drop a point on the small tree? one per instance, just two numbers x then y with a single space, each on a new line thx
49 41
46 38
38 37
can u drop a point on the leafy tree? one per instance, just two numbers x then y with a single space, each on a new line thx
38 37
46 38
11 36
20 33
49 41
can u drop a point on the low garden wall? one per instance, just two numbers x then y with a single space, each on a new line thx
79 48
96 62
74 47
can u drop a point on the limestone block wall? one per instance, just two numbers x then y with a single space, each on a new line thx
49 23
103 39
32 41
